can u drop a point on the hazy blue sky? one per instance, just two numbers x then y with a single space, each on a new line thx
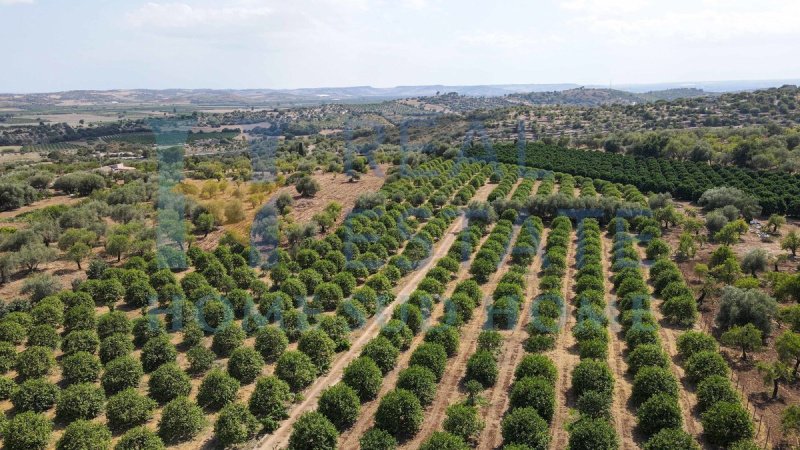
50 45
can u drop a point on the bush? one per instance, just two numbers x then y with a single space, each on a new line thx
536 393
157 351
445 335
271 342
595 404
490 341
245 364
647 355
269 401
463 421
652 380
420 381
411 315
7 387
128 409
536 366
113 323
312 431
482 367
440 440
235 425
398 333
181 420
200 359
146 328
80 367
692 342
327 296
217 389
704 364
115 346
121 373
671 439
296 369
364 376
658 412
319 347
592 434
743 306
381 350
48 313
377 439
399 413
140 438
592 375
35 362
44 336
725 423
524 426
714 389
432 356
35 395
8 356
168 382
193 334
340 405
227 338
12 332
80 401
80 341
27 431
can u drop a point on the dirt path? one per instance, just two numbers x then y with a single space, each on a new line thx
448 391
565 356
280 437
669 341
623 414
512 353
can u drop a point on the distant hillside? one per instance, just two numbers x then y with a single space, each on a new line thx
603 96
673 94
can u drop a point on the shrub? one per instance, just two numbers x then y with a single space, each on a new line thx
121 373
463 421
592 375
312 431
146 328
411 315
27 431
168 382
327 296
432 356
445 335
671 439
271 342
193 334
340 405
7 387
490 341
35 395
658 412
157 351
725 423
80 341
381 350
652 380
365 377
592 434
80 367
245 364
44 336
440 440
743 306
115 346
692 342
128 409
420 381
595 404
377 439
48 313
235 425
482 367
399 413
319 347
535 393
714 389
80 401
704 364
112 323
536 366
34 362
200 359
217 389
181 420
524 426
269 401
140 438
647 355
227 338
296 369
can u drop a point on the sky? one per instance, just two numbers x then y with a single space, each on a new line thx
57 45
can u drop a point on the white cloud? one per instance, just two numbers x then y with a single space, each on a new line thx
508 41
606 7
15 2
184 15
